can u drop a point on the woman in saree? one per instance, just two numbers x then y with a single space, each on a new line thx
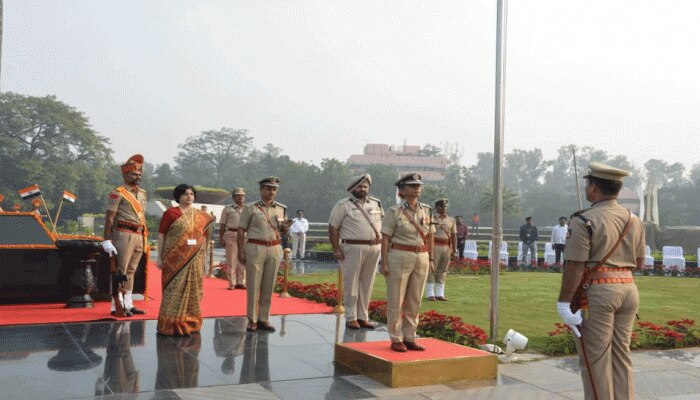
181 255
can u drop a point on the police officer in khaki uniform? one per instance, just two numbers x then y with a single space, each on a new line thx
407 257
605 244
444 240
264 222
354 230
228 237
126 233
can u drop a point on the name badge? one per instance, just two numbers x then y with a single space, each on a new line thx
191 242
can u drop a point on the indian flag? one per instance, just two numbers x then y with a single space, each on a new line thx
29 192
68 196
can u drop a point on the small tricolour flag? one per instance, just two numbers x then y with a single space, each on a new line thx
68 196
29 192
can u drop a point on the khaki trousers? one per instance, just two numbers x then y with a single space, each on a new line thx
606 332
298 245
262 264
442 258
405 286
359 269
129 252
236 270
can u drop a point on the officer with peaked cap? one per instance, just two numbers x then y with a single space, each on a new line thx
444 251
263 223
407 257
598 298
126 231
228 238
354 230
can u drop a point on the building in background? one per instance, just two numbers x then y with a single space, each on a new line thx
404 158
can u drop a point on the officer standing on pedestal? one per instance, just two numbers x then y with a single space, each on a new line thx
606 242
407 258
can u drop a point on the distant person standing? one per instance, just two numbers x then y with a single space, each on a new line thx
559 239
354 230
299 227
443 251
228 238
475 224
528 236
462 235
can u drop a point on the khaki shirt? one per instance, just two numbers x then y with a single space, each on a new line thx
445 227
256 224
607 221
402 230
352 224
124 211
231 215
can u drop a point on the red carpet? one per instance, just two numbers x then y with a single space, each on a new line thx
435 349
218 301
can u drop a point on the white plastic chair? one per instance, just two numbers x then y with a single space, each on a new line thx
673 257
470 250
529 256
549 254
648 259
503 254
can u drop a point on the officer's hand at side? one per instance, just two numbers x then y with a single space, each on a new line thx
431 265
384 268
109 248
241 257
339 255
569 318
221 242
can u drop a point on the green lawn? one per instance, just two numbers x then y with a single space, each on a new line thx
527 300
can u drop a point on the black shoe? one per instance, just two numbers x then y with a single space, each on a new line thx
135 310
413 346
265 326
126 314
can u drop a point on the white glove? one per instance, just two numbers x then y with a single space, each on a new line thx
569 318
109 248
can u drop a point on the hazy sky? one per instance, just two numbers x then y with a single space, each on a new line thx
323 78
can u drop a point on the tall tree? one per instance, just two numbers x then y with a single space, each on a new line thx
206 158
45 141
524 169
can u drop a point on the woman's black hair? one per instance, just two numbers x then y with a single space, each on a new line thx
181 189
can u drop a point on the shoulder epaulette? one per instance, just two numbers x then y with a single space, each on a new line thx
280 204
579 214
375 199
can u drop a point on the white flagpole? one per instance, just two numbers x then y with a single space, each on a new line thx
497 229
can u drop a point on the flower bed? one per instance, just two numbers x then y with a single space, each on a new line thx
431 323
469 266
646 335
